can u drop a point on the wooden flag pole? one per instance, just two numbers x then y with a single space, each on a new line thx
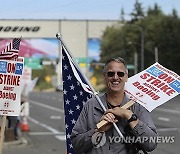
104 122
3 124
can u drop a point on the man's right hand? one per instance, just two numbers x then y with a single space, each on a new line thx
110 118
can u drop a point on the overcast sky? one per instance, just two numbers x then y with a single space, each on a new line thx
76 9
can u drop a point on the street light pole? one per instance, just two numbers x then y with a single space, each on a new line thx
142 44
156 54
142 47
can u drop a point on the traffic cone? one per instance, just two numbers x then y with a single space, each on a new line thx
24 124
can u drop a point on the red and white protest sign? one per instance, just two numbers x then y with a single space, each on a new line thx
153 86
26 80
10 84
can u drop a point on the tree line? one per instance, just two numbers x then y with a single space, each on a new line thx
161 33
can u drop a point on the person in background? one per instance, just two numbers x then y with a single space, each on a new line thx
13 122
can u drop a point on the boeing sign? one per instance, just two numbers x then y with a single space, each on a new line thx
19 28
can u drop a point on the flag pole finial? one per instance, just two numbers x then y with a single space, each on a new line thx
58 35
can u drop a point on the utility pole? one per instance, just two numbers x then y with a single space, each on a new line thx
135 62
142 47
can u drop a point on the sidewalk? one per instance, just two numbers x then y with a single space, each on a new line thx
16 143
22 141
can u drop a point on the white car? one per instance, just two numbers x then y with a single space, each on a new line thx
59 88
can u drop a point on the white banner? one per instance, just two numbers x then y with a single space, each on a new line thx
26 81
153 86
10 84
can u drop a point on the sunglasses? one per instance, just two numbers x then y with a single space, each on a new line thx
111 74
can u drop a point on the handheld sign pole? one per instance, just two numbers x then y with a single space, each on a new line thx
58 35
3 123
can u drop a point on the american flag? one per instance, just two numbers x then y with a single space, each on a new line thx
76 92
11 51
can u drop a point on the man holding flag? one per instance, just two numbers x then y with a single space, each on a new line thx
133 123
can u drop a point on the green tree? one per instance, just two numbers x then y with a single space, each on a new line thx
160 31
138 12
174 13
152 27
163 32
112 43
115 43
48 70
169 43
154 11
122 15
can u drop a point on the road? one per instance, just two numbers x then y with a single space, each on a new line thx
46 123
167 120
47 131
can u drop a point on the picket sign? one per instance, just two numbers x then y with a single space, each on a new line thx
152 87
10 72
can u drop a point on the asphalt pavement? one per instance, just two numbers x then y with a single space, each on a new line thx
47 130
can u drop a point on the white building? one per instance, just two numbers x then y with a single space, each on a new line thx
75 33
79 36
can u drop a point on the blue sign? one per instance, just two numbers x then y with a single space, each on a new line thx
154 71
175 85
3 67
19 68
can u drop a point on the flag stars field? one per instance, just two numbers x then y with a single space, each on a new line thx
67 102
81 93
66 125
73 121
78 107
83 103
75 97
78 83
69 77
65 67
68 136
71 111
64 92
72 87
76 93
71 146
